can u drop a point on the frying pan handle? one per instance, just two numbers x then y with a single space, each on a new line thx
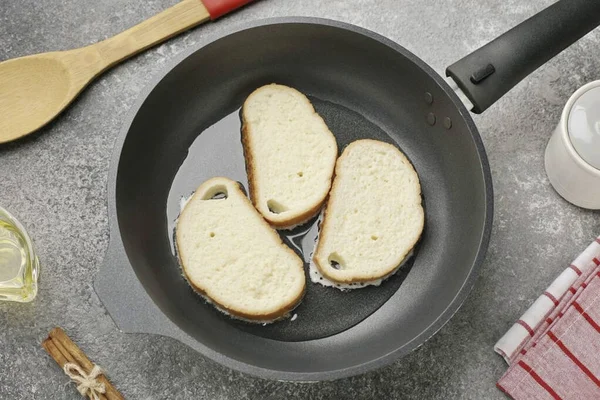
126 301
492 70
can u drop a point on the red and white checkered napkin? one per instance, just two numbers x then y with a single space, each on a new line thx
554 349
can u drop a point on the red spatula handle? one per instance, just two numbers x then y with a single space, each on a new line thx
218 8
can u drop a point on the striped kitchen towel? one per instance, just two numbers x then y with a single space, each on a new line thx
554 348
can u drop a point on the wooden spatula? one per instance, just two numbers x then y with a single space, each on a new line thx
35 89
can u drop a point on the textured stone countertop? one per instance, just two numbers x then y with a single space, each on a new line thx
56 183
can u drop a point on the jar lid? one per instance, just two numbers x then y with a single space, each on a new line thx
584 126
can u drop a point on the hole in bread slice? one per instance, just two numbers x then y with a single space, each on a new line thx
218 192
336 261
276 207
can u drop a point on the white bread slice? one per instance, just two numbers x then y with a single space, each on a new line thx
234 258
374 215
290 155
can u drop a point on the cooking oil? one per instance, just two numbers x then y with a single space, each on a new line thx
19 265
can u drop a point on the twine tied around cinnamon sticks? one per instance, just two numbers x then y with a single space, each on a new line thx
87 383
89 377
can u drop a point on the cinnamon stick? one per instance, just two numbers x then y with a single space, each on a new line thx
59 354
62 340
63 350
54 352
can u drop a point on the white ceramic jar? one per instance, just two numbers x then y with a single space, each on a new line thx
573 152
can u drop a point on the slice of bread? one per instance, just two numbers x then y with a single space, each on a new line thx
230 255
374 215
290 155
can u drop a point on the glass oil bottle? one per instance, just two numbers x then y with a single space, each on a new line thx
19 266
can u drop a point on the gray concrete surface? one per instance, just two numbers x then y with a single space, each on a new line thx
55 182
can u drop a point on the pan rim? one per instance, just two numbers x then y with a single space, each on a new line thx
417 341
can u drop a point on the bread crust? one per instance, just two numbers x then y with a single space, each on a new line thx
242 314
325 227
279 221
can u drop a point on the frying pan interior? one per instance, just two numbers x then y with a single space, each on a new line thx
364 86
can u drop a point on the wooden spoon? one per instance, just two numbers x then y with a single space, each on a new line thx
35 89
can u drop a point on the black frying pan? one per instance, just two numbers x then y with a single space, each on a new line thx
364 86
